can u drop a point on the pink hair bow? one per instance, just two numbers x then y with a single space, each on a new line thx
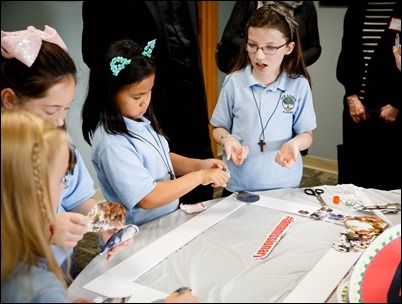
25 45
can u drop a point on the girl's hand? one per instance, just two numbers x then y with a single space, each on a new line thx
235 151
210 163
115 250
287 155
217 177
70 228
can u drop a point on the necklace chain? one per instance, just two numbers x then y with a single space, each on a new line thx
163 156
261 141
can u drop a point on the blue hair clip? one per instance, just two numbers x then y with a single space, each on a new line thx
149 48
117 64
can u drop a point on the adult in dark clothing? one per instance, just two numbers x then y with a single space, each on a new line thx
232 41
178 97
304 13
370 156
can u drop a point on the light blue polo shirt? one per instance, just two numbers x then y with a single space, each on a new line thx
286 109
33 284
78 188
128 168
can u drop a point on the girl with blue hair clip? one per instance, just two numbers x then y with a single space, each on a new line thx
129 150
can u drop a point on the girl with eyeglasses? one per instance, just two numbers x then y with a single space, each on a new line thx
265 115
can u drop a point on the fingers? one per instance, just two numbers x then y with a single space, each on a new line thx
237 154
396 50
78 218
245 152
70 228
285 160
359 117
216 177
115 250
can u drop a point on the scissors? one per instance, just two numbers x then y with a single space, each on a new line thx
317 193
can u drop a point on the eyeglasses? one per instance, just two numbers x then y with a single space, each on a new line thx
267 50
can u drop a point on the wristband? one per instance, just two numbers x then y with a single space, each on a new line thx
235 137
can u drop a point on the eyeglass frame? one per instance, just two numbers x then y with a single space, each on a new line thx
276 48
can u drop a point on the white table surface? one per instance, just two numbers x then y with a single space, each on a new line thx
217 264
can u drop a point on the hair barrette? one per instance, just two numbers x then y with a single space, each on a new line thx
290 21
149 48
118 63
25 45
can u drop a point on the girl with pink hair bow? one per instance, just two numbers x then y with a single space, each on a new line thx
38 75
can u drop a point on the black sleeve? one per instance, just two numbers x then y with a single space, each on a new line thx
349 61
309 34
233 35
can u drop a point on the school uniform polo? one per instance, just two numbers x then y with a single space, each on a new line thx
78 188
128 168
272 114
33 284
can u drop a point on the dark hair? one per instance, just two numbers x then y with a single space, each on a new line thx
100 106
50 67
266 17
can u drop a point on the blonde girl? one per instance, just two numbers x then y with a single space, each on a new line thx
35 157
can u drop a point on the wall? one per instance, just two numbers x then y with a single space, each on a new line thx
65 17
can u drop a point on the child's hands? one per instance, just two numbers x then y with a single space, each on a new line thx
287 155
105 235
216 177
235 151
210 163
70 228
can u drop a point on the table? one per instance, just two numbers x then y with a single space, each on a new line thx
217 263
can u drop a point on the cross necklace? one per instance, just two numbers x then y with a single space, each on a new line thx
262 142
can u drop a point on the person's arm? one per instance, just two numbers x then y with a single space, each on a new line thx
195 172
85 206
167 191
349 61
397 53
233 35
309 34
231 144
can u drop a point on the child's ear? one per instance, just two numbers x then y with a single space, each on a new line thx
8 98
289 48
